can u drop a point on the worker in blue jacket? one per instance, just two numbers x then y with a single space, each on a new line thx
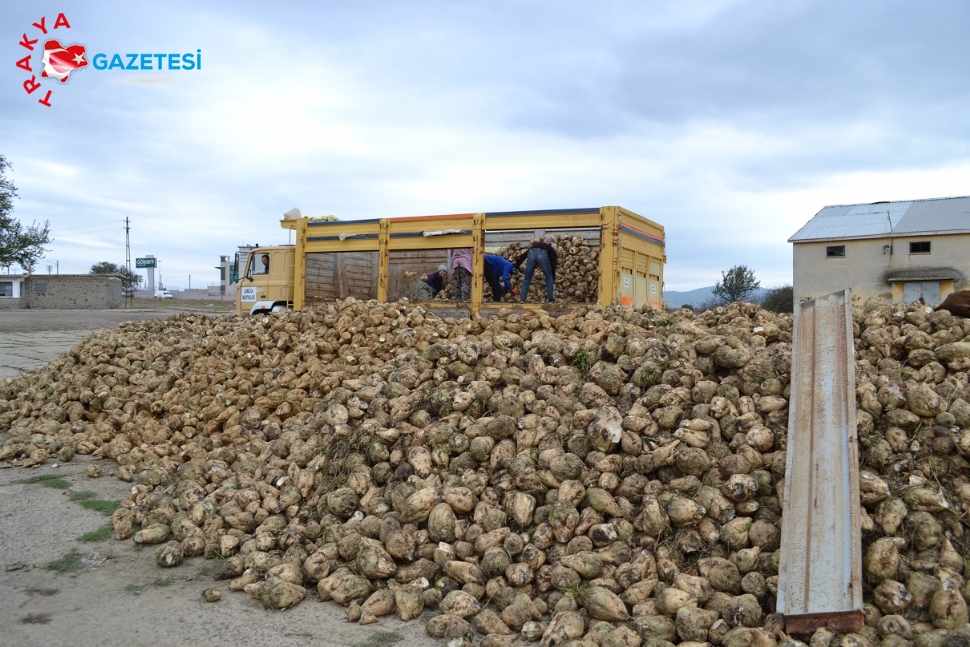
497 271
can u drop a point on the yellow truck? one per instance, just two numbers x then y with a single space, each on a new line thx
380 258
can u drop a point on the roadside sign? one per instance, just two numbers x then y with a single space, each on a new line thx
144 263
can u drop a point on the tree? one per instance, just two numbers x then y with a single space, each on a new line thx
708 304
19 245
130 280
780 299
736 284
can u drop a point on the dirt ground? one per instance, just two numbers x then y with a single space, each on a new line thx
62 583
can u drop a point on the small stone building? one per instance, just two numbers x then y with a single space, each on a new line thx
70 292
902 251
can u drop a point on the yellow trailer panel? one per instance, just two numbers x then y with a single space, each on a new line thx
631 253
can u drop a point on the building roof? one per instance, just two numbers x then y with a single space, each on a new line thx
881 219
924 274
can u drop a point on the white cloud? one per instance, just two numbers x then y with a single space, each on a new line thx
730 122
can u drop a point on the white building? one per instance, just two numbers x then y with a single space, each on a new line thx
12 286
902 251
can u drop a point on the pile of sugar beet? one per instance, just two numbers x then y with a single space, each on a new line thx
608 477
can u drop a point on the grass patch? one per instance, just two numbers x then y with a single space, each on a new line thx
44 592
134 588
87 500
583 360
97 535
68 563
36 619
163 581
47 480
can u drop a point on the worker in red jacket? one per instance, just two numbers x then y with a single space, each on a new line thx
544 255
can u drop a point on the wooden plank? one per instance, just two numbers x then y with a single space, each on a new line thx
340 275
319 278
820 573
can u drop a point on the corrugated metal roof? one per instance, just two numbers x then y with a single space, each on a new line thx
933 216
930 216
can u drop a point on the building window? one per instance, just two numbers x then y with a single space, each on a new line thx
40 287
6 288
835 251
921 247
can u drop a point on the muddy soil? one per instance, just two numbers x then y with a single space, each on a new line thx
62 584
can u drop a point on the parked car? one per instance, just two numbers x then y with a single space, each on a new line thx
163 294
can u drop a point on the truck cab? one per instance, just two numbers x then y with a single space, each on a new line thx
266 282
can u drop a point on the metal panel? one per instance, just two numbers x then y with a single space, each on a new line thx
851 221
820 574
640 223
911 292
929 291
633 231
500 214
909 217
541 221
950 215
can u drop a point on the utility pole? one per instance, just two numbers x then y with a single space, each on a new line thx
190 281
126 284
57 264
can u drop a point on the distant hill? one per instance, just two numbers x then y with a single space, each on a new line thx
694 298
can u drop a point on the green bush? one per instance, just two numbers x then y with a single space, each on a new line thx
780 299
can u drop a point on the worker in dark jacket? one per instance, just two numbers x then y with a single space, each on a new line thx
497 271
439 279
544 255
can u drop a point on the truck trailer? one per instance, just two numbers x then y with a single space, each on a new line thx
379 258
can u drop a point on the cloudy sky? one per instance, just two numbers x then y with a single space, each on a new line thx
729 122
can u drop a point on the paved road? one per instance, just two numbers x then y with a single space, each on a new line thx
30 339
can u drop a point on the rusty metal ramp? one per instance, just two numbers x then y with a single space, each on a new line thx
820 573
